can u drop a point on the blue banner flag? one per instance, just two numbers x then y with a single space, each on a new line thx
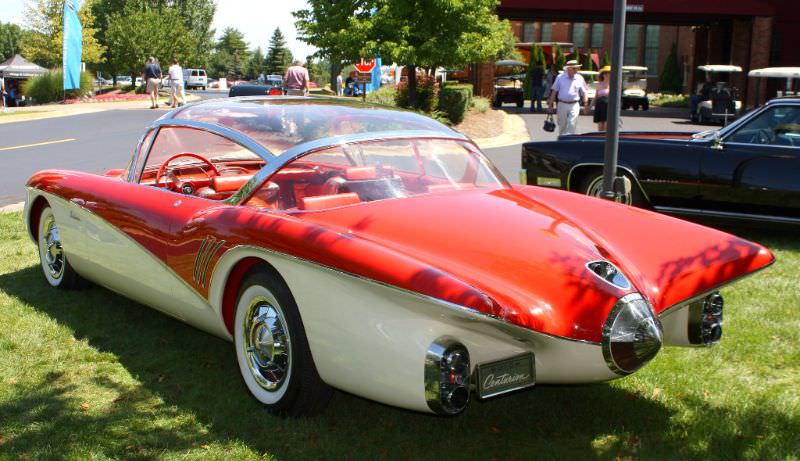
376 77
73 45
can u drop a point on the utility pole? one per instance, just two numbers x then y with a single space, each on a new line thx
615 188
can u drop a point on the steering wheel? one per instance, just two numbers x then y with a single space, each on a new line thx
761 136
173 178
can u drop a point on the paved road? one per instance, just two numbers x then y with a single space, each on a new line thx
106 140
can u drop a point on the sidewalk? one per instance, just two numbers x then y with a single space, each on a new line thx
24 114
515 132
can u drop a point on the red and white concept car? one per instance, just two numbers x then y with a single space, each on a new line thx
378 252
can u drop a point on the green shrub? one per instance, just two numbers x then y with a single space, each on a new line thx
671 78
455 100
49 87
386 95
481 104
427 94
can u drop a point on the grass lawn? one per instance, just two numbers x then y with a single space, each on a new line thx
90 375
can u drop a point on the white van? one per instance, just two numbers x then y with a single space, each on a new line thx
195 78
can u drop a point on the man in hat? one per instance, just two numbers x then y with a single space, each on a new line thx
570 90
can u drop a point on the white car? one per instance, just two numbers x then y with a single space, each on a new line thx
124 80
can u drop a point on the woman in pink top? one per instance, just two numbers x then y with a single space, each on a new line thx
601 101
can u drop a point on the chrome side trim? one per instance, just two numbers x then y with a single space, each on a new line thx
448 304
205 254
727 214
326 143
621 167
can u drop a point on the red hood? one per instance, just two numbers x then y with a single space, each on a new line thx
531 259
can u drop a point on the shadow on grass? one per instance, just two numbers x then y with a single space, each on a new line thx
190 395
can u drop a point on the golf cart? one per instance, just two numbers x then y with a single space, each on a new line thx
715 99
509 78
791 74
634 88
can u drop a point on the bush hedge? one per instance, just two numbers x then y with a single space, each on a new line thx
455 100
49 87
386 96
427 94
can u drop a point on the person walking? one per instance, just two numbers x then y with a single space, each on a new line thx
175 74
296 79
339 85
601 99
570 90
549 79
152 77
537 88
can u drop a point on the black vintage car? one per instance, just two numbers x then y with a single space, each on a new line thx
749 170
255 88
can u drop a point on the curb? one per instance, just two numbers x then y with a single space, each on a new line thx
514 132
13 208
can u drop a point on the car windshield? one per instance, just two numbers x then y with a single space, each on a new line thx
376 170
280 124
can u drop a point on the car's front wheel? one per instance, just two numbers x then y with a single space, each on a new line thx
57 270
592 185
272 350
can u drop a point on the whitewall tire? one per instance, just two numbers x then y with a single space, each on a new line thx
52 255
272 350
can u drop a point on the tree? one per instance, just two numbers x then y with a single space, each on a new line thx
256 65
671 80
318 70
537 60
417 33
10 37
279 58
42 43
195 15
560 59
135 35
231 54
605 61
587 63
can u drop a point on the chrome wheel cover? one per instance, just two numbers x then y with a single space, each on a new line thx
53 253
266 343
596 187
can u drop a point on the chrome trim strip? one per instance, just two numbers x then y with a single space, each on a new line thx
728 214
198 257
207 262
326 143
448 304
621 167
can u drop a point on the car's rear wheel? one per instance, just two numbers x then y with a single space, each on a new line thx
272 350
52 257
592 184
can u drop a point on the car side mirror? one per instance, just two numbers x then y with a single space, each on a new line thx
716 143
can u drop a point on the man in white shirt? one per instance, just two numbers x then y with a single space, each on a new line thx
570 89
176 83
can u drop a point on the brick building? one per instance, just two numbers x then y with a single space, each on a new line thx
748 33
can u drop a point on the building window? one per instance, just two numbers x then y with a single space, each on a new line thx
598 32
651 35
547 31
527 32
633 33
579 34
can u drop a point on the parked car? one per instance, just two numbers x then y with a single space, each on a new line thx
213 83
716 100
745 171
123 80
100 81
195 78
254 88
379 252
509 83
634 88
139 81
